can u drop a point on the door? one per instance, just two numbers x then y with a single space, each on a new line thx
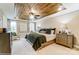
32 26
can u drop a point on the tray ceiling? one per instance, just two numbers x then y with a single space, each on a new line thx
24 10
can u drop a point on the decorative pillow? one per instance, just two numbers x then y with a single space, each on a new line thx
43 32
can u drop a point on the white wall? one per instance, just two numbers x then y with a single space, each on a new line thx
1 17
70 19
1 22
6 11
4 21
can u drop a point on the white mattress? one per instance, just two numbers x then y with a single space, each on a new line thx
49 36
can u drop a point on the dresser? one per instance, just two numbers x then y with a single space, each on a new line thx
5 46
65 39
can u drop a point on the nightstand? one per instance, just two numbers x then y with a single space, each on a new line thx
65 39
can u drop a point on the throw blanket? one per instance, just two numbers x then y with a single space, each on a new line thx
36 40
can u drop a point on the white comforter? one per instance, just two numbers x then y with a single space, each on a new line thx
49 36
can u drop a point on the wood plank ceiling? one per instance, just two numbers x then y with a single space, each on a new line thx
38 9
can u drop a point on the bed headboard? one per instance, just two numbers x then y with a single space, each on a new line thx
48 30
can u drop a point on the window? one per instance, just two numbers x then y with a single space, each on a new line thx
13 26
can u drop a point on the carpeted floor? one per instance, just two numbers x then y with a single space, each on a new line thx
22 47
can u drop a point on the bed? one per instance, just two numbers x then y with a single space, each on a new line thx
37 39
49 33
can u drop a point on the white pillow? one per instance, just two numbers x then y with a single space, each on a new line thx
43 32
52 31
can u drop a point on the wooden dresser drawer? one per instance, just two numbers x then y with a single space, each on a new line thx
64 39
70 41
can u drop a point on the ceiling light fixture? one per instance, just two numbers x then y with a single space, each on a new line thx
31 15
61 8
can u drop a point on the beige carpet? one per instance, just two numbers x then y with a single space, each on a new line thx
22 47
